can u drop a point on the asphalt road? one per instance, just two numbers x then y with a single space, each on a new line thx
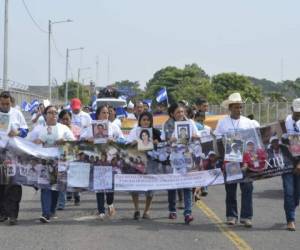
78 228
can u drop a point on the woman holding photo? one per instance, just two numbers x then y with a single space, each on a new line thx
51 135
114 134
145 121
176 113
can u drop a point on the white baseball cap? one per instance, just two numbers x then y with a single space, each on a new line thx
296 105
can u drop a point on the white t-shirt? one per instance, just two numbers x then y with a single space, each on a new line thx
117 122
114 132
227 124
50 134
34 134
16 120
82 119
290 125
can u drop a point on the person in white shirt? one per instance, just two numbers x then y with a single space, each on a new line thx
79 118
130 111
230 123
114 134
38 118
52 134
10 195
291 121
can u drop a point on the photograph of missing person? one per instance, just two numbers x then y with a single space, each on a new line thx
233 171
4 121
183 132
145 139
234 147
254 157
100 132
294 144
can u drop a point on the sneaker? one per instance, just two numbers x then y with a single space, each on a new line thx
136 215
60 208
291 226
3 218
54 216
188 219
231 221
13 221
204 191
146 216
44 219
172 216
246 222
111 210
101 216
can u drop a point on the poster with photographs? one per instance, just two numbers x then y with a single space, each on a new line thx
272 129
145 139
4 122
233 171
100 131
294 144
254 155
181 159
234 147
183 132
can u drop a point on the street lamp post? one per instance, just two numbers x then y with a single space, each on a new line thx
5 46
49 52
78 78
67 69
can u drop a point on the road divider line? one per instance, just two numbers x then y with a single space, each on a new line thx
232 236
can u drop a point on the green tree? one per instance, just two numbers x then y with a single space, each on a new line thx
227 83
175 79
129 88
84 93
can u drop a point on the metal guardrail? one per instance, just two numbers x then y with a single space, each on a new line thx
21 96
263 112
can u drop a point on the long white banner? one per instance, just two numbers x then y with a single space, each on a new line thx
138 182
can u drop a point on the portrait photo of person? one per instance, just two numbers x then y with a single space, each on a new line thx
145 141
100 132
183 132
234 151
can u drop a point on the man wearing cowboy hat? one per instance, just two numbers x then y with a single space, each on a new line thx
230 123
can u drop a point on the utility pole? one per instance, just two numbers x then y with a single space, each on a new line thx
67 71
49 52
5 55
97 71
66 83
49 60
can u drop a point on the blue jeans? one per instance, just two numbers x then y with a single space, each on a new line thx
101 201
187 197
61 200
48 202
291 191
246 200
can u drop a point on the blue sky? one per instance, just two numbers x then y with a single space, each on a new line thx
140 37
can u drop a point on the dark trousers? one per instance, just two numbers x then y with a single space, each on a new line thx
101 200
10 197
246 200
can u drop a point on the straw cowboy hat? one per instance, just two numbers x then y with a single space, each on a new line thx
233 98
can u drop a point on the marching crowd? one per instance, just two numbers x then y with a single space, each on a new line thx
52 126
